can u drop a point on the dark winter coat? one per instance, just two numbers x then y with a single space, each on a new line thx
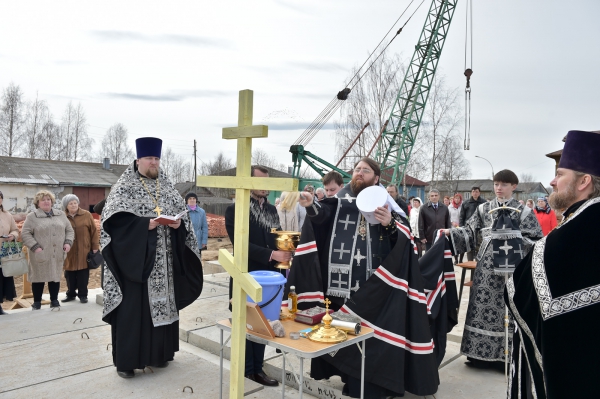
431 219
468 209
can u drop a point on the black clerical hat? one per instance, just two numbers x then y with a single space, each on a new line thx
581 152
148 147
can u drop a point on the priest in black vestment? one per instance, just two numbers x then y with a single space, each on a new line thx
554 294
152 270
370 271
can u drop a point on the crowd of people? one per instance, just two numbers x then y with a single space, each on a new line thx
153 268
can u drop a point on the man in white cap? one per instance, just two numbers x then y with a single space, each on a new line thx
554 294
152 270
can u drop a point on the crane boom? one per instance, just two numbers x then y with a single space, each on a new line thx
398 139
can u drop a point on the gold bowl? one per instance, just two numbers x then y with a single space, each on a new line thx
286 241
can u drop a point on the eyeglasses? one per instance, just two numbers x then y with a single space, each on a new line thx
365 171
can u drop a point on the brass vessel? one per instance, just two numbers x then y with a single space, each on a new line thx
326 333
286 241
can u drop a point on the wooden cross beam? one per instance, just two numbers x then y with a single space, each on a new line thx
237 266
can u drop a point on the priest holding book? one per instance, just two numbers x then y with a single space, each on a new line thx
153 269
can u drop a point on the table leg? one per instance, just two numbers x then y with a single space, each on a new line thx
221 367
283 377
301 376
362 371
460 290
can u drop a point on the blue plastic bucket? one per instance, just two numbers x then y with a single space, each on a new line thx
272 284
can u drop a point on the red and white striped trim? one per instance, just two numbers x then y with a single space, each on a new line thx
400 284
306 248
431 295
448 254
395 339
450 276
307 297
406 231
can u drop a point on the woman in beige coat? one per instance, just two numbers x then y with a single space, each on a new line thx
87 238
49 236
8 232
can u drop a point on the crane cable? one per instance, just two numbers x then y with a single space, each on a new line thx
342 95
468 71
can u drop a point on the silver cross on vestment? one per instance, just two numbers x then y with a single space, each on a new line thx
520 252
505 247
341 251
348 197
359 257
346 222
506 265
340 282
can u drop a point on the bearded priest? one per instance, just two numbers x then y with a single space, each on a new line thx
152 270
554 294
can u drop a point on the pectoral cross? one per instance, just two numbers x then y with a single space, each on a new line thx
237 265
158 210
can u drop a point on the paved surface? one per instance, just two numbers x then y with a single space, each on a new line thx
50 350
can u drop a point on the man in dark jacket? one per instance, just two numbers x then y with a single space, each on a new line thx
262 255
433 216
467 210
392 190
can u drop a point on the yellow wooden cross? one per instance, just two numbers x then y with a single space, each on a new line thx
237 266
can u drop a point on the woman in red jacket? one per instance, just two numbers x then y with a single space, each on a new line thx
545 216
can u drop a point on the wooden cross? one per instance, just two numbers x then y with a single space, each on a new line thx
237 266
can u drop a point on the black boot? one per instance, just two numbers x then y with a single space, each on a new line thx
36 306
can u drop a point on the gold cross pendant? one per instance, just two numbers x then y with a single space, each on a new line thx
157 210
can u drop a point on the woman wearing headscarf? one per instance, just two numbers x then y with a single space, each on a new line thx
414 223
49 236
291 214
8 232
545 215
198 218
87 238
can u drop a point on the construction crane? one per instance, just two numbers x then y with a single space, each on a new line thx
400 132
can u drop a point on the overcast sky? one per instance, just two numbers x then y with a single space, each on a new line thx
173 69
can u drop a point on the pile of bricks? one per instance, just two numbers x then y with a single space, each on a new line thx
216 225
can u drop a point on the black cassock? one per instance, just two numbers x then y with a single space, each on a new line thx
130 256
554 297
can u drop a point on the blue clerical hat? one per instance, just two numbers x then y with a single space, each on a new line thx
148 147
581 152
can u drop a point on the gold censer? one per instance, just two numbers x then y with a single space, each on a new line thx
326 333
286 241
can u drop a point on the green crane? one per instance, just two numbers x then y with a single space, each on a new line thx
397 140
400 133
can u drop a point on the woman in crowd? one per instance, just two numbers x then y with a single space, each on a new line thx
414 223
87 238
454 208
198 218
320 193
49 236
8 232
446 200
545 215
291 214
529 203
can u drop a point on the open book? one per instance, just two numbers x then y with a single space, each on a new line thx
164 219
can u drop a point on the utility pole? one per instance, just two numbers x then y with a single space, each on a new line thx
195 169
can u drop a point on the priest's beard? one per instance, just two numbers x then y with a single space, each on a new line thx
564 199
358 185
152 173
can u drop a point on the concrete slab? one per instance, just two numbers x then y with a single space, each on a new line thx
186 370
28 324
46 358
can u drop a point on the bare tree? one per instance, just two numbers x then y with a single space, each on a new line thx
11 119
114 145
82 143
51 143
35 119
175 166
527 177
261 157
370 102
219 164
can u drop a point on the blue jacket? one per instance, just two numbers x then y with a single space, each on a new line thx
200 225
